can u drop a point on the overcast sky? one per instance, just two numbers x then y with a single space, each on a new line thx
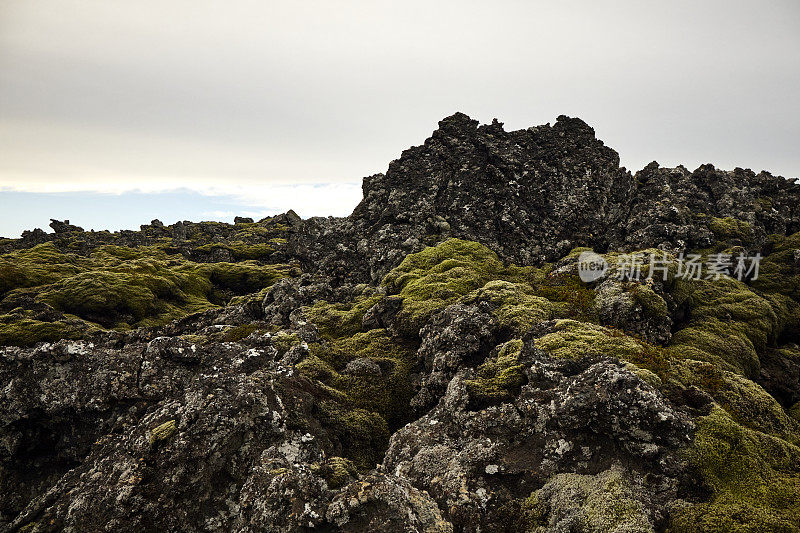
236 97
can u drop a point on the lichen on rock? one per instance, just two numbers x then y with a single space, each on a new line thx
432 362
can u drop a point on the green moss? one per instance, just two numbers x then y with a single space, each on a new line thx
603 502
794 412
241 278
467 272
777 273
567 289
516 306
340 319
240 250
573 339
112 297
732 301
652 304
730 228
645 375
39 265
729 324
499 378
387 391
237 333
753 407
438 276
363 435
744 400
163 432
316 368
754 479
119 287
283 341
715 342
17 330
338 471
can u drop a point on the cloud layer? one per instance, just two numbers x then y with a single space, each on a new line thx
229 96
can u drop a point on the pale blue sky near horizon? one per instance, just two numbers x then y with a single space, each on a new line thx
113 212
130 209
116 112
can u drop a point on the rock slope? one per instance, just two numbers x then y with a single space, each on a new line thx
433 362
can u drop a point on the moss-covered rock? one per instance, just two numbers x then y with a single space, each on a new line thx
19 330
338 471
754 479
363 435
372 371
744 400
340 319
516 305
438 276
499 378
163 432
468 272
729 324
602 503
116 287
729 228
573 339
779 278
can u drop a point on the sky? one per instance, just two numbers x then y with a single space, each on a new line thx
115 112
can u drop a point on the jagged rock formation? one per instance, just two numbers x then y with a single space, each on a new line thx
533 195
431 363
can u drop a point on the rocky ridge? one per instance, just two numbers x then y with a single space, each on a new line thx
432 362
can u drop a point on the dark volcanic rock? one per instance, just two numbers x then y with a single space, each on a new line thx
262 377
581 417
532 195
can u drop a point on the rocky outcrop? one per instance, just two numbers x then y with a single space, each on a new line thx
532 195
433 362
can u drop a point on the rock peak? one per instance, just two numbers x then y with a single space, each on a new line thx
532 195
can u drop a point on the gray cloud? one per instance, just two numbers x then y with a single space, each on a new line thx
198 93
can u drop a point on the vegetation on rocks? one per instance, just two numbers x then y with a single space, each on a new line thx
337 374
113 287
728 228
498 378
754 479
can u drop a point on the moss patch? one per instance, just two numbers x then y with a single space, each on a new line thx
363 435
19 330
729 323
340 319
117 287
600 503
438 276
516 305
372 371
499 378
754 478
163 432
338 471
573 339
729 228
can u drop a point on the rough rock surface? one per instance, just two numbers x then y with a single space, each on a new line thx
533 195
582 417
432 362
